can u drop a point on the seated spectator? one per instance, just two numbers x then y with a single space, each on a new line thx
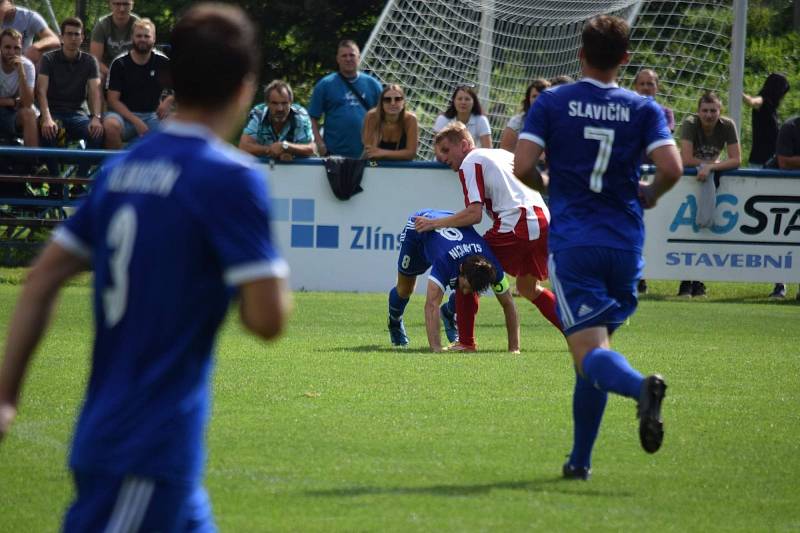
787 157
67 77
508 139
703 137
30 24
466 108
136 82
343 98
390 131
17 78
112 35
278 128
765 117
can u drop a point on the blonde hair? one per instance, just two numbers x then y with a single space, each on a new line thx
144 23
454 132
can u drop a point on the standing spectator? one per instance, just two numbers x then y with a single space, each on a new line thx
765 117
787 157
508 139
168 252
67 77
17 78
466 108
136 82
112 35
343 98
646 84
30 24
278 128
390 130
703 137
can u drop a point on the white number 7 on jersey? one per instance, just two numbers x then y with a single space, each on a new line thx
606 138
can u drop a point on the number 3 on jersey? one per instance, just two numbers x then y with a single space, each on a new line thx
120 238
606 138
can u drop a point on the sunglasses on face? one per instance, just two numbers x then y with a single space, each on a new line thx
390 99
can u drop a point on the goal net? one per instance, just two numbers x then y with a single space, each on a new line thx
432 46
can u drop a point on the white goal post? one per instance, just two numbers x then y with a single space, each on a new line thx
431 46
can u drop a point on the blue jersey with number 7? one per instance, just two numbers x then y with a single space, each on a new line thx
594 135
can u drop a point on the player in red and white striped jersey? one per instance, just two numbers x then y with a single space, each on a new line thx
518 236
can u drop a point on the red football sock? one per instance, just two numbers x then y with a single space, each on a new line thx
466 309
546 302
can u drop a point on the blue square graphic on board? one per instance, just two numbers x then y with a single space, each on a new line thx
327 236
302 210
302 236
280 209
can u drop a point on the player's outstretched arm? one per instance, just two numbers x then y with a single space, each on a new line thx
668 171
433 300
526 159
512 319
265 306
468 216
49 273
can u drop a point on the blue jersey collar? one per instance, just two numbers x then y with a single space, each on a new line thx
188 129
612 85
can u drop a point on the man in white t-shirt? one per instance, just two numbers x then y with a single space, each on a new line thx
518 236
37 37
17 78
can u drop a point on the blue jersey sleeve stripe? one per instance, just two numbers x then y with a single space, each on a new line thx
661 142
438 283
239 274
69 241
533 138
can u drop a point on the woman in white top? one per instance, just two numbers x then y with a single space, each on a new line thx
508 139
465 107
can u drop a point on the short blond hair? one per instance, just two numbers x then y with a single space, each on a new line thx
455 132
145 23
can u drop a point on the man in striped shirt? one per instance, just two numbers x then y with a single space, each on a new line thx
518 236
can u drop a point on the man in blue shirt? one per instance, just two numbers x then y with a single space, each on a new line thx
343 97
172 230
594 134
459 259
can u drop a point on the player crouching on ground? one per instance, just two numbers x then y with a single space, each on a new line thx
459 259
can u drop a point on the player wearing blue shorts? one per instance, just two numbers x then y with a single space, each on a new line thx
459 259
594 134
172 230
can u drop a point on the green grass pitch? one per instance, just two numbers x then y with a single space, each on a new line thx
330 429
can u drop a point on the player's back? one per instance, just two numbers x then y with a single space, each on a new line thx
154 222
594 135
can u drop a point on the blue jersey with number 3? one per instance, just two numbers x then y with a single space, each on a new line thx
171 229
594 135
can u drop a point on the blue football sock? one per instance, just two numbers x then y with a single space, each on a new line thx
450 304
588 405
397 305
609 371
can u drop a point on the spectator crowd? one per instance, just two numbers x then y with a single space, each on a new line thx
53 93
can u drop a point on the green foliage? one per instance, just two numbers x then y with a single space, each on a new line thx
331 430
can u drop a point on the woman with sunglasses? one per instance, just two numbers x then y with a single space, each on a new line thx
390 131
466 108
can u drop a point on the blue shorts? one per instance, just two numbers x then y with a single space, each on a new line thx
128 129
412 261
595 286
113 503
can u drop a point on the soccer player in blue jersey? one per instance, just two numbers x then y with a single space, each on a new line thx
594 134
172 230
459 259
